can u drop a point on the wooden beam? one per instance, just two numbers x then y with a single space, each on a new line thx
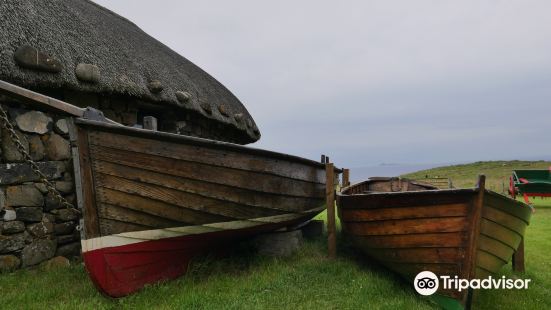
38 100
330 201
518 258
87 203
150 122
345 177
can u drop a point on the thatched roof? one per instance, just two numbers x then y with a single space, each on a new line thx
85 47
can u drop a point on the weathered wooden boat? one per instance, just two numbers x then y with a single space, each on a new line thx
411 227
151 201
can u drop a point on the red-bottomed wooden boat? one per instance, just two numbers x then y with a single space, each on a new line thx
152 201
411 227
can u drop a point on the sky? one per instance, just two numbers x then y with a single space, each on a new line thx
371 82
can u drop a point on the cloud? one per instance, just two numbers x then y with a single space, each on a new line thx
374 81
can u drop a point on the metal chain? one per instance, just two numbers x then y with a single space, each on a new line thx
7 125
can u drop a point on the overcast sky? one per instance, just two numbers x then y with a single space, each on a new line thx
370 82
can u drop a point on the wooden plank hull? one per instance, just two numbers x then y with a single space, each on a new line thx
123 263
152 201
427 229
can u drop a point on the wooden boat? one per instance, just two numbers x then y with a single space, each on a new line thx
411 227
151 201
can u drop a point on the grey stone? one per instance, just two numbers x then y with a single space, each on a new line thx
12 243
239 118
24 195
65 215
21 172
64 239
12 227
29 57
34 122
87 72
64 228
278 244
56 262
62 126
9 215
314 229
36 148
9 263
9 150
51 203
155 86
69 250
29 214
41 187
183 96
47 217
57 148
38 251
206 107
64 187
41 229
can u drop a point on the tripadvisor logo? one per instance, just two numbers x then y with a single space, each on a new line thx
427 283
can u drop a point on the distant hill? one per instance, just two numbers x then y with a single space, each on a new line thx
465 175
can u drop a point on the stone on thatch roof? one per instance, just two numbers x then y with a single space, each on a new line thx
79 45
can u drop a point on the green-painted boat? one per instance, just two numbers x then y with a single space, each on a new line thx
411 227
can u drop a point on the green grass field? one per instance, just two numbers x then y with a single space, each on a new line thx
497 173
307 280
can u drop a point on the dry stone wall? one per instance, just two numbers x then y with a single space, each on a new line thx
33 225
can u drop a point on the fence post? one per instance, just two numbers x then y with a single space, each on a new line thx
330 201
345 177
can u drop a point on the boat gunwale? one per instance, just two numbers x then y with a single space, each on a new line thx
340 195
196 141
431 191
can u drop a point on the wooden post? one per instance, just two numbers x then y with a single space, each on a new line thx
345 177
150 122
474 231
518 258
330 201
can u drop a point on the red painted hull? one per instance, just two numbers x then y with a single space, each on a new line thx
122 270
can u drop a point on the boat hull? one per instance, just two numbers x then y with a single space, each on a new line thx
122 264
152 201
435 230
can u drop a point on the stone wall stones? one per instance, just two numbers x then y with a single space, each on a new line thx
33 226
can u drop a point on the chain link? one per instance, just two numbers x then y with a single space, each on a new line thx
7 125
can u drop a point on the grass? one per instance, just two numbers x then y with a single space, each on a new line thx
497 173
306 280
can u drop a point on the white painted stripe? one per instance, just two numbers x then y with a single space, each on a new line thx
158 234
